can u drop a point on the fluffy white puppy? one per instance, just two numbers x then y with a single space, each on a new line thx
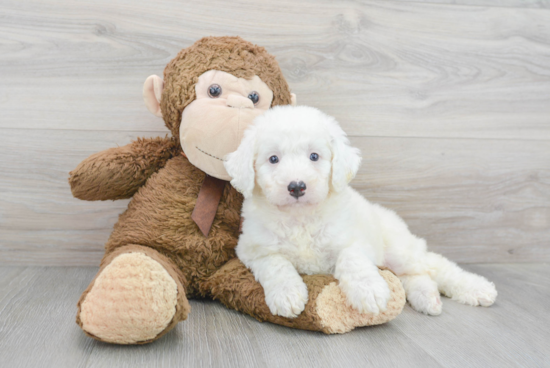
300 216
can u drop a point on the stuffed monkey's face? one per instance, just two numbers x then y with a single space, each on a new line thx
213 124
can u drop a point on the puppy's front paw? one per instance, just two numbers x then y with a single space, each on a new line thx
287 299
367 294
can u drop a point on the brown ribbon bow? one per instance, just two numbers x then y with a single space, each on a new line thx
207 203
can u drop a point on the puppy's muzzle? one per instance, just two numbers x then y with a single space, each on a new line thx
297 189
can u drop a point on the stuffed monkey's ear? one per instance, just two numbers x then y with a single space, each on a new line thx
152 91
345 159
240 164
293 99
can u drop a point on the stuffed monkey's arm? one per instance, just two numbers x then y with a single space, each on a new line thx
118 173
326 310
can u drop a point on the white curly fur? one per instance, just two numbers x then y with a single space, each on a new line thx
331 229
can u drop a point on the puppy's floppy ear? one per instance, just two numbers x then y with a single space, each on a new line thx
240 164
345 158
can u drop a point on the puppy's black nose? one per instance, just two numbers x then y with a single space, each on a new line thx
296 189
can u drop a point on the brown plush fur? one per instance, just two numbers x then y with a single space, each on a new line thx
165 185
117 173
235 287
159 216
227 54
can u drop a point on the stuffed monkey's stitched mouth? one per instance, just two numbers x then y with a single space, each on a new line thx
208 154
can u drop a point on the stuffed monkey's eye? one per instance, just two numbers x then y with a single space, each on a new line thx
214 91
274 159
254 97
314 157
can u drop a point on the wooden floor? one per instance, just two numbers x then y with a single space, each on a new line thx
37 329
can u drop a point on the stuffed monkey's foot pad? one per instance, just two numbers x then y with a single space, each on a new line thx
337 316
132 300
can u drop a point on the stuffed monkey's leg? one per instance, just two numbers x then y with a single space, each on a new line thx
137 296
326 310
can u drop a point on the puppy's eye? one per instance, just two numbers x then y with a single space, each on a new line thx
314 157
254 97
274 159
214 91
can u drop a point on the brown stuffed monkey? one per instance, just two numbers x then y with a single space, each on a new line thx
176 240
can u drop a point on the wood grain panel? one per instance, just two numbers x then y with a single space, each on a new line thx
40 221
382 68
500 3
449 103
474 200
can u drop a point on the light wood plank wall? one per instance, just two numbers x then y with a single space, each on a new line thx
449 102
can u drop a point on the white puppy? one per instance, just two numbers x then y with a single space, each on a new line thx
300 216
